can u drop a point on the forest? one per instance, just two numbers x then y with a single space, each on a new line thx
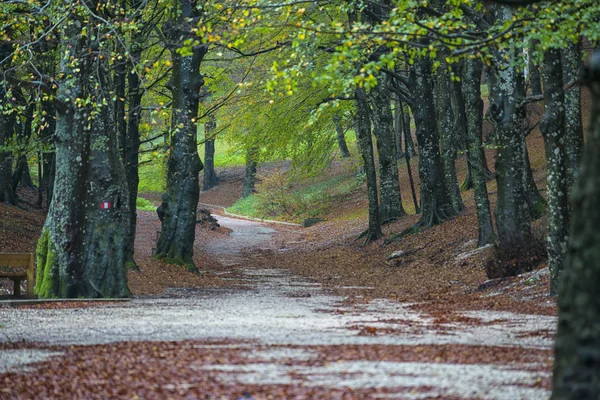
458 137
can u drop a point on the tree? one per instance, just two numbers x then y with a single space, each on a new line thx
577 358
176 240
82 251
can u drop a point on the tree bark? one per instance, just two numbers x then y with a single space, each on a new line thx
21 175
552 126
365 146
446 126
129 135
210 175
390 205
407 154
508 115
574 128
535 80
250 175
6 132
577 350
341 138
82 252
474 112
535 201
176 240
436 205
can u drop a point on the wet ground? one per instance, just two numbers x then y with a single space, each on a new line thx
294 333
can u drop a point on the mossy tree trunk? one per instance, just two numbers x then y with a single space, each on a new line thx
436 205
390 205
576 374
210 175
365 147
574 128
535 200
82 251
474 112
448 132
250 174
552 126
176 240
507 114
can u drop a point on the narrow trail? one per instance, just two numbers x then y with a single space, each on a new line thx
291 332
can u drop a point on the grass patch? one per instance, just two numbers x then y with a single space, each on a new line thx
144 204
248 206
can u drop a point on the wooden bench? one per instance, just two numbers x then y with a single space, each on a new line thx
10 260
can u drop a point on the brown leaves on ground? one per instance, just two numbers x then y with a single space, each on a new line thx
178 370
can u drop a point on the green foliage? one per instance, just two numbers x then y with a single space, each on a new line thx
144 204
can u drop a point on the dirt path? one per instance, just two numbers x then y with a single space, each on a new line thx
283 337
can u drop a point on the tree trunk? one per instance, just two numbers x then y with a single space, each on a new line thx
210 175
341 138
82 252
535 80
21 175
178 232
535 201
577 356
409 144
407 154
436 205
365 146
48 153
446 127
474 112
552 126
574 127
250 175
508 114
130 147
6 132
398 126
390 205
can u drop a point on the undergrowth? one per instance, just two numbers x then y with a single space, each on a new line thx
280 198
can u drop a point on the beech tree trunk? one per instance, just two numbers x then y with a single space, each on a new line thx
535 201
6 131
552 126
408 154
535 79
82 251
176 240
250 175
365 146
474 112
341 138
210 175
436 205
390 205
574 127
508 114
446 126
130 136
21 175
576 374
